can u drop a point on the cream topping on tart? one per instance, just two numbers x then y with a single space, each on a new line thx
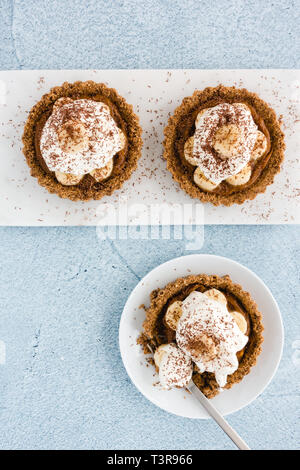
208 333
225 145
79 137
224 140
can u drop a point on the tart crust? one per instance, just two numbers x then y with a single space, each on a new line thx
160 298
88 188
211 97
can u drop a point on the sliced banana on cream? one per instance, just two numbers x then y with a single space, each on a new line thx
240 178
199 115
241 105
159 353
174 367
203 182
122 138
106 107
188 152
67 179
61 101
73 137
228 140
240 321
205 347
260 146
173 314
216 295
103 173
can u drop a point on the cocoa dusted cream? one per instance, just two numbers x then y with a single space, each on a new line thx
209 335
79 136
224 140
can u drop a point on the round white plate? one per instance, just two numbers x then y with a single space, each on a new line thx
181 402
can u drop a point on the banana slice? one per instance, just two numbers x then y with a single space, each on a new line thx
188 151
123 138
240 178
67 179
197 122
203 182
260 146
217 295
103 173
205 348
173 314
240 321
73 137
227 141
159 353
242 105
61 101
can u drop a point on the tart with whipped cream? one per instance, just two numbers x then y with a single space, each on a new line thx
224 145
82 141
203 328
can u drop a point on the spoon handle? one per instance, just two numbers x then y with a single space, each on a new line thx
218 417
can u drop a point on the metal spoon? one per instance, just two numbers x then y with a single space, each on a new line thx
211 410
217 417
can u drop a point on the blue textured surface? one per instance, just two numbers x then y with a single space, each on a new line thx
150 34
62 290
64 385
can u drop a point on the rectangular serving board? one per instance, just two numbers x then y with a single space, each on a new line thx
154 95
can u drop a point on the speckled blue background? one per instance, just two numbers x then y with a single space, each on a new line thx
62 290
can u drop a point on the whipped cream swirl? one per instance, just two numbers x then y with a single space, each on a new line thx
209 335
237 117
79 136
175 367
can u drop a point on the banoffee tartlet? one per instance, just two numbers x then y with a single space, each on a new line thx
203 328
82 140
224 145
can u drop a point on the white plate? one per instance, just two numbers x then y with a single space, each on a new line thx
154 95
180 402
